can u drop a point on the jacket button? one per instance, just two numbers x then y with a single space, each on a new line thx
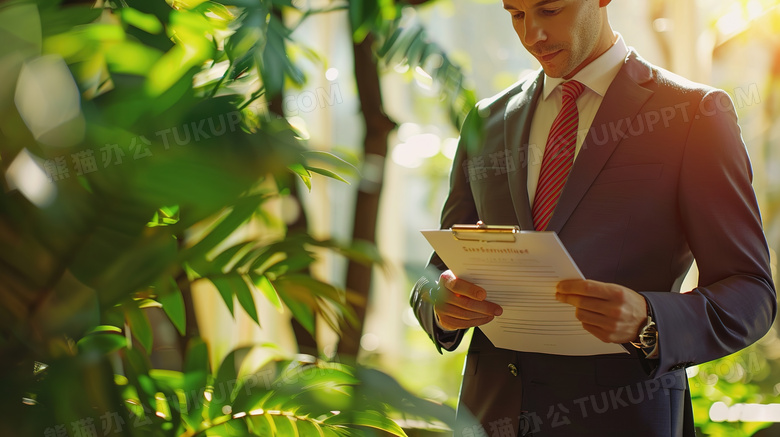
512 369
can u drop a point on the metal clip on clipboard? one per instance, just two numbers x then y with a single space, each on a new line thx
483 232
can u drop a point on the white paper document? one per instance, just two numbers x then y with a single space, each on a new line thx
520 271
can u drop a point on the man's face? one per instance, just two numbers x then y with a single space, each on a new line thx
563 35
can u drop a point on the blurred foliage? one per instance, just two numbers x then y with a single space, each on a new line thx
721 389
124 127
740 378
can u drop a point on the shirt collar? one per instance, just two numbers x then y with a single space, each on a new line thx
597 75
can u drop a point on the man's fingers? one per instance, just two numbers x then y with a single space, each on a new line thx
461 287
477 306
482 309
588 303
451 323
593 318
462 300
597 332
587 287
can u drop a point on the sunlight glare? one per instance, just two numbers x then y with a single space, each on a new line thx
732 22
26 175
49 102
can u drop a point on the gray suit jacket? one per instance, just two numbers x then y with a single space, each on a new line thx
663 177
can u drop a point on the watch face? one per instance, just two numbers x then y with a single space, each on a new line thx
649 335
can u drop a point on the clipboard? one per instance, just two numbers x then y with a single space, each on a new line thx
483 232
520 271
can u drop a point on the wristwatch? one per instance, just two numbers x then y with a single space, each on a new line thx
648 337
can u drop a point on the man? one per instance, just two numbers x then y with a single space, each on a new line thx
639 171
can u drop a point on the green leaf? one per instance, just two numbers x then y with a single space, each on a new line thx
273 61
327 173
331 160
315 287
139 324
278 4
21 24
172 302
292 298
313 390
415 51
304 174
197 358
225 287
148 303
232 428
411 46
245 298
104 342
293 246
170 383
362 14
225 383
361 251
219 10
293 261
105 329
334 431
371 419
389 41
285 426
319 402
165 217
136 367
196 371
267 288
146 22
172 67
119 264
309 428
242 211
104 32
168 379
58 20
249 37
402 43
224 261
263 425
384 389
234 284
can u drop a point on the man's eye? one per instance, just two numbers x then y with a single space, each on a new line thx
551 11
518 15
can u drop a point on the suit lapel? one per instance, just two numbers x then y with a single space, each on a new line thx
622 101
517 129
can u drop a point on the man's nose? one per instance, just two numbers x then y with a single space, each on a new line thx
533 31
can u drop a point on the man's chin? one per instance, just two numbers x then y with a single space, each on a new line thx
553 72
559 71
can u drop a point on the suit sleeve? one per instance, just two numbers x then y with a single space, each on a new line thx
458 208
734 303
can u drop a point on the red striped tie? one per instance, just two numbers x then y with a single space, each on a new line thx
558 156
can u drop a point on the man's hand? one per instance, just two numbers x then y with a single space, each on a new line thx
611 312
461 304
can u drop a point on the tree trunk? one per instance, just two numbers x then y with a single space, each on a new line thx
378 127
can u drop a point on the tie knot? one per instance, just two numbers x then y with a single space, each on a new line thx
572 89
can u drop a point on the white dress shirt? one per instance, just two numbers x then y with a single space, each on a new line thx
596 76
